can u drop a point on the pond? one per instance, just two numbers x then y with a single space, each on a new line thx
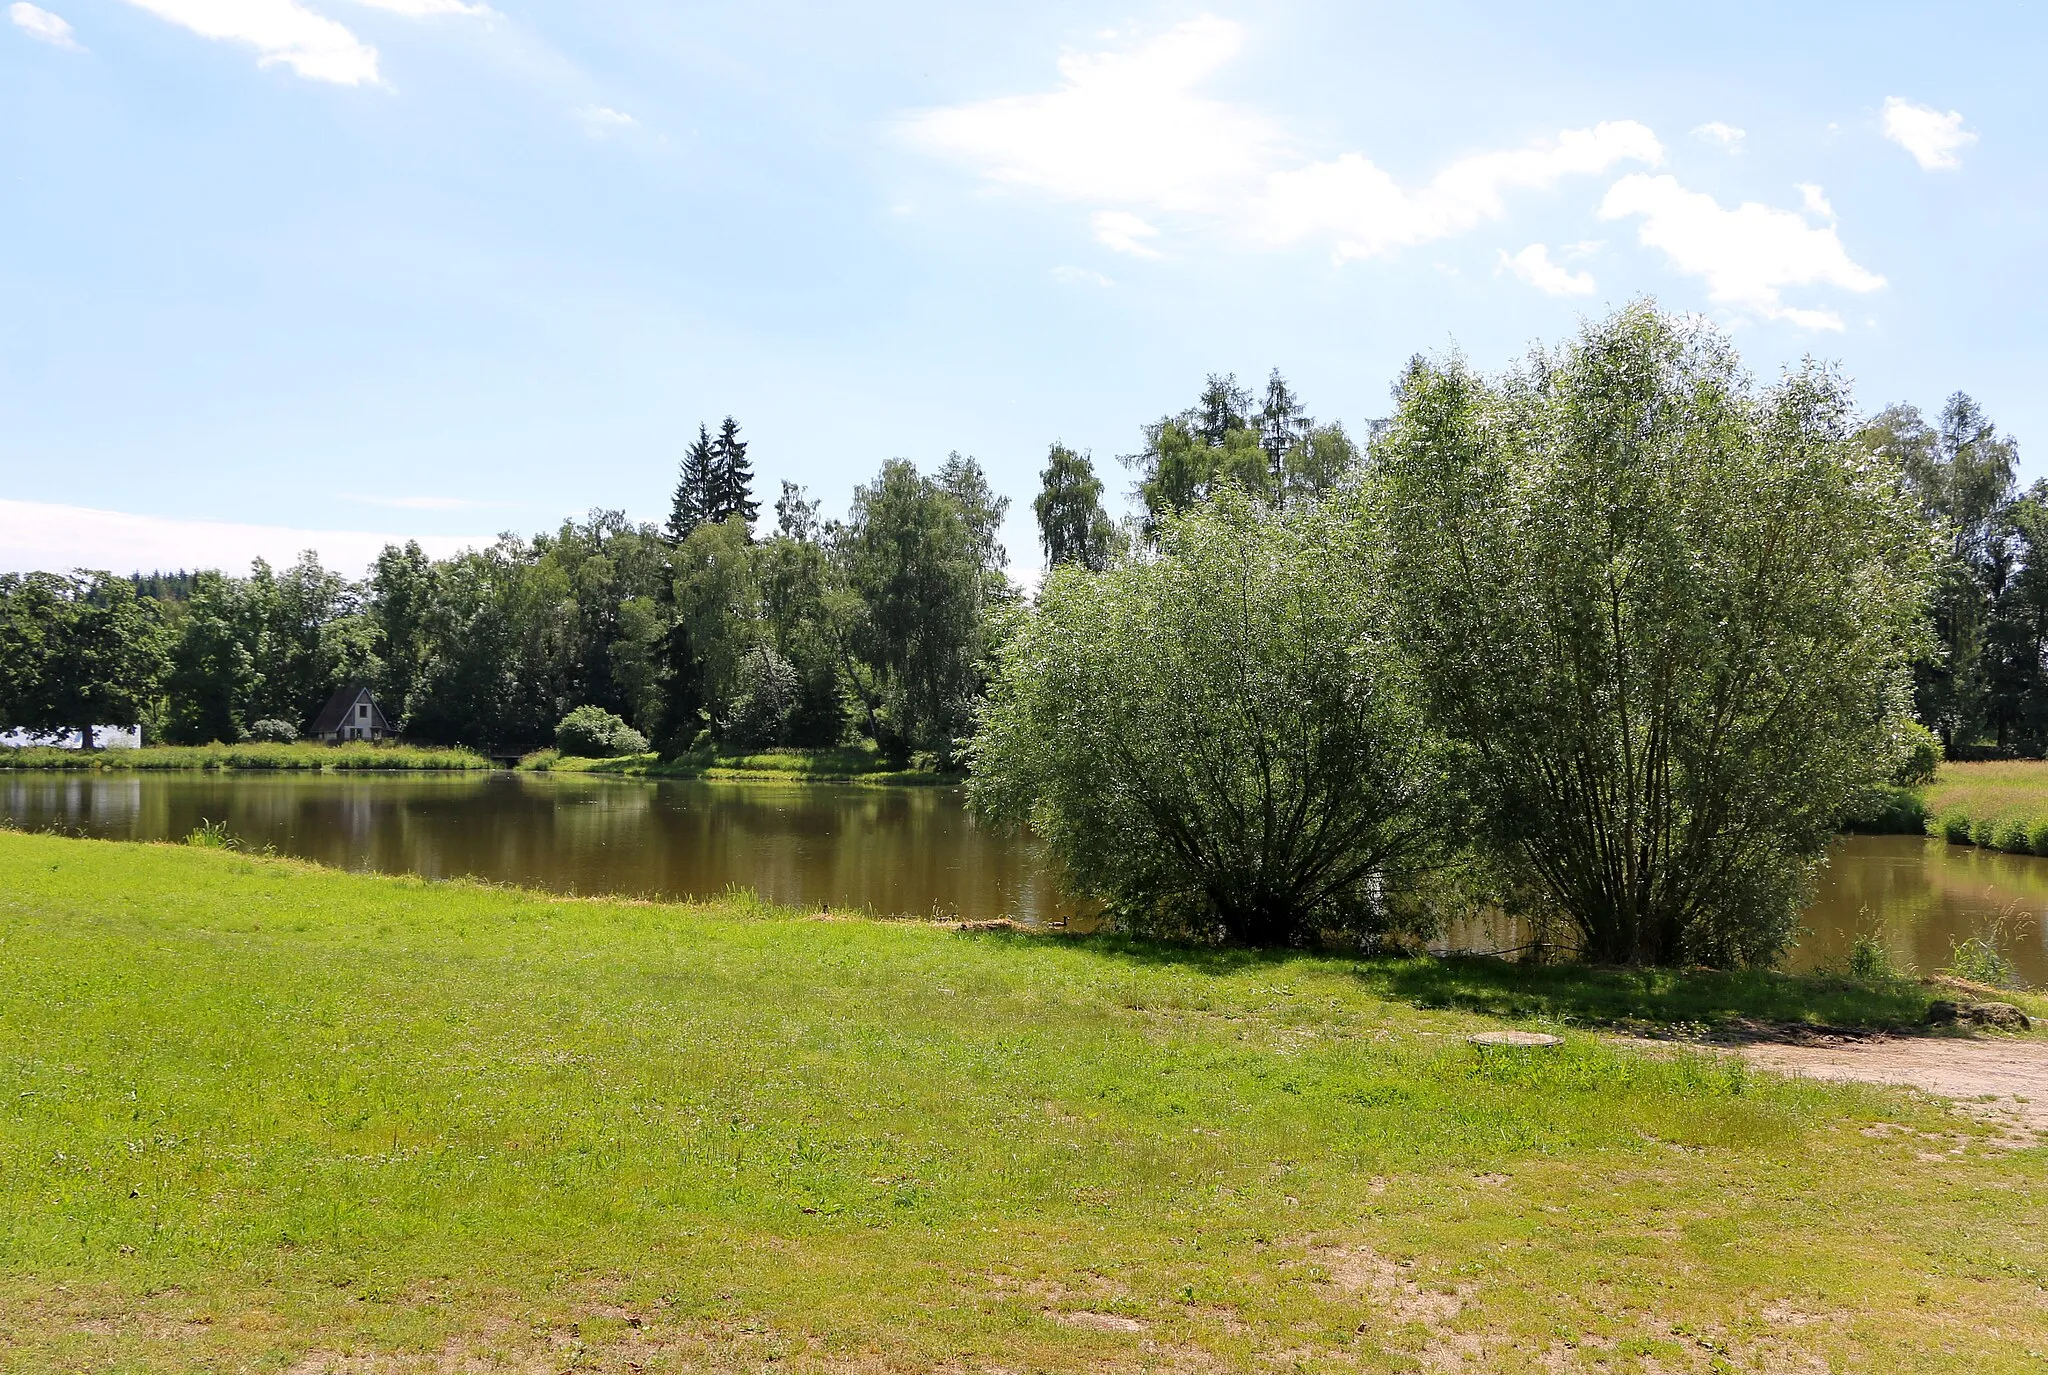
887 850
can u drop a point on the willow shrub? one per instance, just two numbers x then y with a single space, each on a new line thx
1668 615
1216 741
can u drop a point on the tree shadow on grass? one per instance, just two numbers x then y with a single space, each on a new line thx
1745 999
1653 1000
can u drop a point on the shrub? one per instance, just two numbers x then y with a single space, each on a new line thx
1655 603
1955 827
1922 749
1982 830
2037 836
763 702
1888 811
2011 835
594 733
272 731
1217 742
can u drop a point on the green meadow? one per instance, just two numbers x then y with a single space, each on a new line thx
302 755
262 1116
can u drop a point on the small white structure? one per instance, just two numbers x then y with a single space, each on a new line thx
103 737
350 714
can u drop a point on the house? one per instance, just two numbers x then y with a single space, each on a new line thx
350 714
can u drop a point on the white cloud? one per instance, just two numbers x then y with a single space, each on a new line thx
40 535
1125 232
1747 255
1080 274
1132 130
1727 135
40 23
424 9
1123 127
599 120
1366 213
1932 137
1533 266
315 47
1815 200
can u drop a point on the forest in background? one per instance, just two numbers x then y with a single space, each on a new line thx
749 629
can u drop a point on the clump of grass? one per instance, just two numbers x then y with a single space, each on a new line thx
1870 960
2012 835
1954 827
213 835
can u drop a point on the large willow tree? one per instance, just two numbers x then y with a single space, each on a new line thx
1667 613
1216 741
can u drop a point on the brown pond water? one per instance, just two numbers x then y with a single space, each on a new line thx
888 850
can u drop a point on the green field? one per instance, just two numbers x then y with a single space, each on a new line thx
305 755
260 1116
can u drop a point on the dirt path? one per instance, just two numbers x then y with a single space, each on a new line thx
2000 1079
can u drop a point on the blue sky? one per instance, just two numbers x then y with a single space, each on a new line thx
435 267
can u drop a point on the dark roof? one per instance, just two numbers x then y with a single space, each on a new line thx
336 710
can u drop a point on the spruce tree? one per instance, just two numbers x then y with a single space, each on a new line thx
694 488
732 478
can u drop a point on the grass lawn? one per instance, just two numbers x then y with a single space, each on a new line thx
306 755
261 1116
2015 787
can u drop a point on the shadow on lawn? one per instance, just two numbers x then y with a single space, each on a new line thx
1586 995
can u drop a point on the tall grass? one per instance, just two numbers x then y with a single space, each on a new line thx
355 755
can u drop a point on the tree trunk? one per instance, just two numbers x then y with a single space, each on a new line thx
85 737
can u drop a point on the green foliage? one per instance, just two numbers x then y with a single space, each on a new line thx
1072 526
594 733
1920 749
2013 835
1667 615
913 611
1888 811
77 650
1982 830
272 731
1954 827
764 701
1216 742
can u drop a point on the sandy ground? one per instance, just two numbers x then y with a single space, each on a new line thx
2002 1079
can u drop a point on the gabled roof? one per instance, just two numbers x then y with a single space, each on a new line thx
337 709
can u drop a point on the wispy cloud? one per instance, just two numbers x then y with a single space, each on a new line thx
40 23
36 534
1533 265
427 9
1064 273
1933 138
599 120
1724 135
284 32
1125 232
1746 255
1133 131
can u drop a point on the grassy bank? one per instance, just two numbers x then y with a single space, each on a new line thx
2001 805
264 1116
353 755
844 764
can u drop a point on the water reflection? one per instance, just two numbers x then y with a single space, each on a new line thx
891 850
